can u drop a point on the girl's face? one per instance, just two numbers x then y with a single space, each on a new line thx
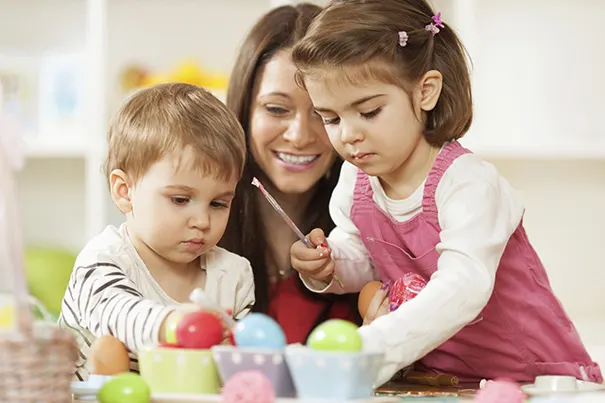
376 126
287 137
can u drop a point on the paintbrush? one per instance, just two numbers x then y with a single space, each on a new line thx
288 220
199 297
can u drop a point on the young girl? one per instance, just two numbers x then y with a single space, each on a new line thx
394 93
175 155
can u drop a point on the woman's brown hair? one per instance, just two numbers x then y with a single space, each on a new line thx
245 235
360 38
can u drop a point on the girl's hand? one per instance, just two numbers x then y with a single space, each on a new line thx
379 305
315 263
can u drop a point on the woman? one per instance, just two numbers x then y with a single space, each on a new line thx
289 152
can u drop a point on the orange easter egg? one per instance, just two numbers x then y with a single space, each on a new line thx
109 356
366 295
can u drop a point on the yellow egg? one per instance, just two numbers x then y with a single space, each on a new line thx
366 295
109 356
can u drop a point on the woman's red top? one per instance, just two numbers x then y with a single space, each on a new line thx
298 312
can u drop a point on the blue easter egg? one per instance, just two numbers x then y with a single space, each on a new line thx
259 331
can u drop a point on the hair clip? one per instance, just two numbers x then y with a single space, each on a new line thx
403 38
434 26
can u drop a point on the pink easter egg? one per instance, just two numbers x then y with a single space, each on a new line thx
405 289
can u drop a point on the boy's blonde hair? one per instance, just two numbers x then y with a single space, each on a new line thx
164 120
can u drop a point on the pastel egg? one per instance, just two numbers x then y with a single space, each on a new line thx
125 388
199 330
366 295
108 356
335 335
259 331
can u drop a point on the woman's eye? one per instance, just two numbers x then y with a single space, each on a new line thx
371 114
219 204
180 200
276 110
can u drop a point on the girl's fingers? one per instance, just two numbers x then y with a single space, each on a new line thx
377 304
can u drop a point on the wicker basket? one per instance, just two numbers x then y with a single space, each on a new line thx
37 359
37 366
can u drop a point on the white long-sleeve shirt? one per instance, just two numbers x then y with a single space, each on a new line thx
478 211
111 291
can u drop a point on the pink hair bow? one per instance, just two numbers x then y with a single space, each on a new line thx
434 26
403 38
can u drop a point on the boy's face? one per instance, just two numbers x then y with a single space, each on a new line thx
178 212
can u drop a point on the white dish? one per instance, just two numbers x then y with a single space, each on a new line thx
84 390
177 398
583 387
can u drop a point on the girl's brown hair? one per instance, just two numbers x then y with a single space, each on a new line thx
360 39
245 235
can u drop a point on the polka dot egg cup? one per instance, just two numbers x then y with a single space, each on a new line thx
331 374
178 370
230 360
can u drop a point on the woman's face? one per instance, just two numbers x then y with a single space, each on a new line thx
287 137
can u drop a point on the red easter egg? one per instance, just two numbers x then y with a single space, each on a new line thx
405 289
200 330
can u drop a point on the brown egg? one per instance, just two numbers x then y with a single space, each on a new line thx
366 295
108 356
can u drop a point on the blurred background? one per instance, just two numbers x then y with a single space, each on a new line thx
66 65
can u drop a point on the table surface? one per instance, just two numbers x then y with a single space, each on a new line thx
463 393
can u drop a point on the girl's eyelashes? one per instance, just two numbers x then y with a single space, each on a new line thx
371 114
365 115
330 121
219 204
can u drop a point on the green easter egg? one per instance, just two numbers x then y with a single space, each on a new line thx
171 324
125 388
335 335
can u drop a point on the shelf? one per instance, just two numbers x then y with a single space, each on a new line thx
540 151
56 149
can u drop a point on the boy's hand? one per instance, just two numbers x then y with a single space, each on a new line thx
315 263
379 305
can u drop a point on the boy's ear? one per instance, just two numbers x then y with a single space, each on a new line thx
429 90
120 186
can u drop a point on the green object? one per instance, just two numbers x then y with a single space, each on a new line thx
125 388
335 335
179 370
47 272
171 324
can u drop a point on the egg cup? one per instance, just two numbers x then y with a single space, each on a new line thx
332 374
231 360
179 370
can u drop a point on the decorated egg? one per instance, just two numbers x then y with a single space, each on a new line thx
108 356
335 335
170 328
200 330
259 331
250 386
125 388
405 289
366 295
